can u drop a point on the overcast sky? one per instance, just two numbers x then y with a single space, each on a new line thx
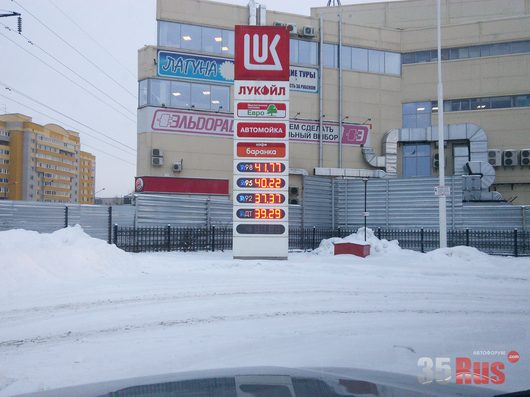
92 45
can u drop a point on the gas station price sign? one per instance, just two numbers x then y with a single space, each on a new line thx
261 213
260 198
261 183
266 167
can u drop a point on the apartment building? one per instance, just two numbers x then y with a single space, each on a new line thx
43 162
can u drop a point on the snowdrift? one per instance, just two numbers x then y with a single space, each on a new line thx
66 254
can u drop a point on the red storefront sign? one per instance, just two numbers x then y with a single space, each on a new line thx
261 53
261 149
261 130
158 184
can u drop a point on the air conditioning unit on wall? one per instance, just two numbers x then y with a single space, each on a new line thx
157 161
308 31
525 157
157 153
510 158
495 157
177 166
291 27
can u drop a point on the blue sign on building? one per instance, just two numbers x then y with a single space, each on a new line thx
194 67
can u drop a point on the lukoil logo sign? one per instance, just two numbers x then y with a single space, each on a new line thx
262 53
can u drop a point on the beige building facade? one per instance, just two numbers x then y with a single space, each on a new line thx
43 163
363 74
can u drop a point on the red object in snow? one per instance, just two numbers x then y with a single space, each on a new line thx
361 250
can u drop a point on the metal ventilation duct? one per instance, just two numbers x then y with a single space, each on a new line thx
484 170
478 143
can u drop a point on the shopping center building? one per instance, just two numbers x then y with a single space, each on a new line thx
364 75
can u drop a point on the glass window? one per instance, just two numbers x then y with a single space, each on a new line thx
408 57
392 63
142 93
423 120
522 100
359 59
329 53
409 108
416 159
159 92
423 56
220 98
501 102
376 61
409 121
345 57
190 36
480 103
200 96
169 34
227 45
520 46
307 52
211 40
293 48
180 94
499 49
474 52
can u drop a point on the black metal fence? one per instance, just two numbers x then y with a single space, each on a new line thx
170 238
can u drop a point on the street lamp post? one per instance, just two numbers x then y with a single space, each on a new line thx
441 149
365 213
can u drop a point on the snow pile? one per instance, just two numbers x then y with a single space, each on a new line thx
62 255
377 247
459 254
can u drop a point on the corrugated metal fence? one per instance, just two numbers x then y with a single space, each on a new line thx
327 203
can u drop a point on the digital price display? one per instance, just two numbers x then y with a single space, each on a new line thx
260 213
260 198
261 183
271 167
252 228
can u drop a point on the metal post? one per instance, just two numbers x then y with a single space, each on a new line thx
321 94
66 216
314 236
467 237
213 238
109 226
515 243
341 110
365 214
441 150
422 240
168 238
115 234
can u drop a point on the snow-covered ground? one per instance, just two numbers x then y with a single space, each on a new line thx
75 310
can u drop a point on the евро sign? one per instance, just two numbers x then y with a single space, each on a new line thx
261 142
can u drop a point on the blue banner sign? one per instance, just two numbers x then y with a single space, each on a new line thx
193 67
180 65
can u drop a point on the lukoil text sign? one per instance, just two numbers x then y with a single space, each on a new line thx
261 53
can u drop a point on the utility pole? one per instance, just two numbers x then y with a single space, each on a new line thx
19 18
441 150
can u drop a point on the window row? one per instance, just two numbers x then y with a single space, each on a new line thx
362 59
477 51
193 37
495 102
419 114
4 151
180 94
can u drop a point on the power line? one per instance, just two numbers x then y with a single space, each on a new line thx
64 115
69 126
75 49
60 121
31 42
94 40
68 78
